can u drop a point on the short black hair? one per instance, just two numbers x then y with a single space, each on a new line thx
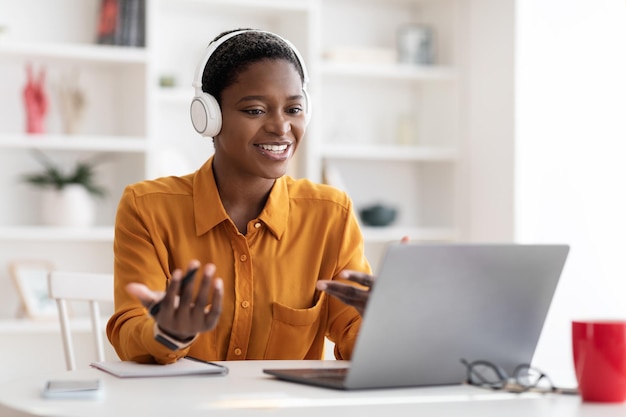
238 53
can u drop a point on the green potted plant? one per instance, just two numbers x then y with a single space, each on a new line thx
67 195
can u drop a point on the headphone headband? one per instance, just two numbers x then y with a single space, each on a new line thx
197 82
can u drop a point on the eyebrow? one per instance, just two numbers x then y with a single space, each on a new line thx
261 98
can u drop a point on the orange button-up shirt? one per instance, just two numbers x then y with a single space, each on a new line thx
271 308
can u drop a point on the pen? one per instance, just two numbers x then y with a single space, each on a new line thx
154 309
222 367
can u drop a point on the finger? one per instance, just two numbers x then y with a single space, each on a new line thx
185 284
405 239
170 300
213 315
358 277
335 289
190 275
346 293
143 293
202 297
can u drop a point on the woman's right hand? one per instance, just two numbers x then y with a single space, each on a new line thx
181 314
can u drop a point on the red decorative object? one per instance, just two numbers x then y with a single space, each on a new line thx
107 26
35 101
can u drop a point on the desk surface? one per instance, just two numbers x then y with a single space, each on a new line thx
247 391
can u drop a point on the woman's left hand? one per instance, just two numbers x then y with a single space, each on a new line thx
351 294
348 293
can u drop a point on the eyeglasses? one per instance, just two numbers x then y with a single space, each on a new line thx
525 378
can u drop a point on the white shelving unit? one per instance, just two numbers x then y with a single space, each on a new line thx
115 128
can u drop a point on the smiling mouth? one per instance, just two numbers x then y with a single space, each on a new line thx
274 149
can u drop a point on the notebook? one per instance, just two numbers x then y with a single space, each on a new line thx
434 304
183 366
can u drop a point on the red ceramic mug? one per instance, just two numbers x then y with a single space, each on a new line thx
599 348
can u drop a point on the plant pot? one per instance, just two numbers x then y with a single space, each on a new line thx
71 206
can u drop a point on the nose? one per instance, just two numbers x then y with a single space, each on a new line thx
278 124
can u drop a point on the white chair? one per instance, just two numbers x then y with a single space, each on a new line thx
89 287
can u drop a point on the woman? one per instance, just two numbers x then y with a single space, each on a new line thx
270 248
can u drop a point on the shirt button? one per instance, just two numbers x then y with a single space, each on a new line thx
245 304
257 225
238 352
243 258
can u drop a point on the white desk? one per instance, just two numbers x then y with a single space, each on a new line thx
247 391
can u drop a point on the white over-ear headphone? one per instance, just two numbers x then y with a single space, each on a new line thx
206 115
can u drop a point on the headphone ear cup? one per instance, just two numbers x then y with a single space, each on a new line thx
206 115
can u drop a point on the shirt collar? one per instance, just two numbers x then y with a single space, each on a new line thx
209 211
276 210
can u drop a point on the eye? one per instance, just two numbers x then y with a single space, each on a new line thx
295 110
253 112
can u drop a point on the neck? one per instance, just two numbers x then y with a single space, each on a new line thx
243 198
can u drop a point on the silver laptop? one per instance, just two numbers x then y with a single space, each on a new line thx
434 304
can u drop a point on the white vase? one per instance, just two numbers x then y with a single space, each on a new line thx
71 206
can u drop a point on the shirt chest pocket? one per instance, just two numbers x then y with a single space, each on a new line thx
296 333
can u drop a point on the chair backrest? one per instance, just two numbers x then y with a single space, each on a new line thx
74 286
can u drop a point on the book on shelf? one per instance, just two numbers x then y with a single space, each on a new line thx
122 22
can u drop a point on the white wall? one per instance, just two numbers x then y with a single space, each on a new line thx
489 52
570 156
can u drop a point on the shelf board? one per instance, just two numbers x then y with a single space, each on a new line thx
75 52
389 71
57 234
44 326
74 142
373 234
391 152
248 5
407 3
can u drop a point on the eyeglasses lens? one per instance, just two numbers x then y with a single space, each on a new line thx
530 377
486 374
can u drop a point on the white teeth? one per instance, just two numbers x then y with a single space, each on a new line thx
274 148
